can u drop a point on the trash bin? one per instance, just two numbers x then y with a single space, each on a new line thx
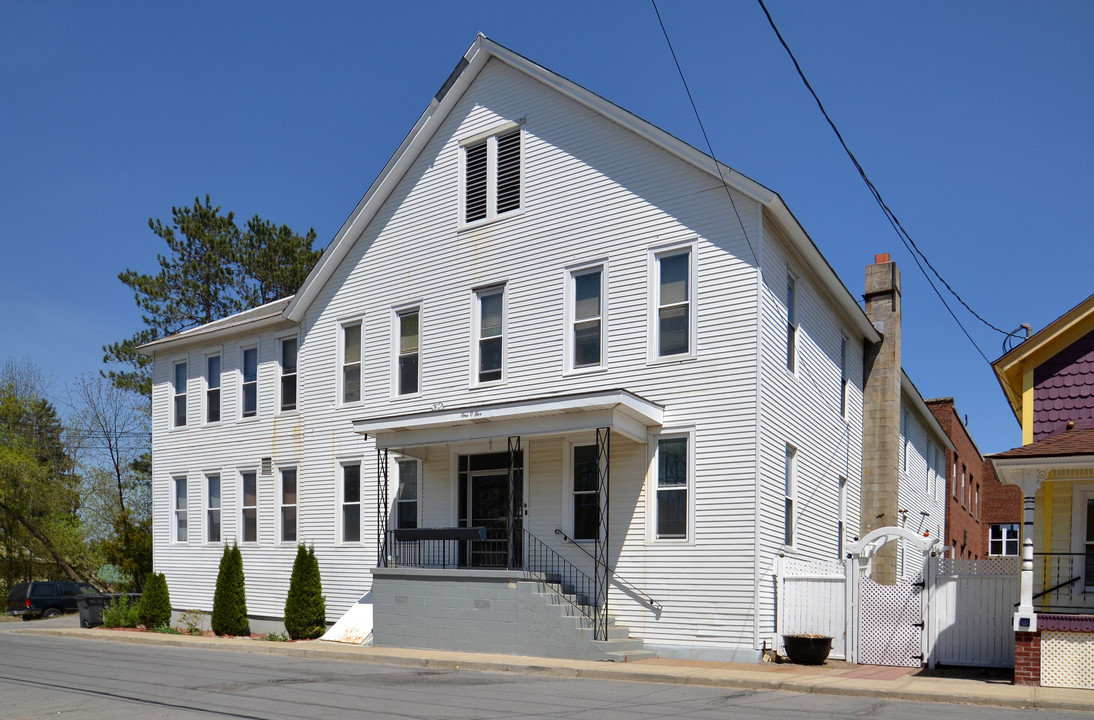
91 609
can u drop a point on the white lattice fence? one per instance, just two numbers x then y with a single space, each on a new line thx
972 607
811 599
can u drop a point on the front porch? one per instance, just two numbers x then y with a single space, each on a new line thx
1054 619
486 561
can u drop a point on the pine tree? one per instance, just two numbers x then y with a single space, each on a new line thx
154 608
305 606
230 597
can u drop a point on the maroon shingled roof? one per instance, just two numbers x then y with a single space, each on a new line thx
1072 442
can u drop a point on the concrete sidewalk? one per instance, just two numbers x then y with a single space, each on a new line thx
833 678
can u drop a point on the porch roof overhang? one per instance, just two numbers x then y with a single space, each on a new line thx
620 410
1034 463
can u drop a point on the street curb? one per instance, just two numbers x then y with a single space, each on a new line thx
1034 697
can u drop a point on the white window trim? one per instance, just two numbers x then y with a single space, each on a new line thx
651 486
841 503
280 341
790 496
207 508
570 301
257 381
340 502
476 327
844 380
341 371
396 313
491 139
281 505
1018 539
1079 496
394 512
653 293
181 360
177 512
205 389
241 507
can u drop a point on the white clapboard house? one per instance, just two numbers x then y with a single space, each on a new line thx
557 381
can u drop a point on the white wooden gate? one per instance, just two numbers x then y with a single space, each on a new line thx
972 605
812 599
964 606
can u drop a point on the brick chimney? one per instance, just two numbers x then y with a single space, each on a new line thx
881 413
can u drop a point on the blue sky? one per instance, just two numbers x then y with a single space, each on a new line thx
973 119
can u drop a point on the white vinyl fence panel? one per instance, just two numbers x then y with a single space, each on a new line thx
812 599
972 608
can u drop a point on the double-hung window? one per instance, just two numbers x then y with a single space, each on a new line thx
180 509
790 493
491 176
249 404
843 376
179 391
212 389
674 304
673 474
587 321
351 363
351 503
1082 538
586 493
288 505
406 500
842 507
791 322
249 506
1003 539
289 347
212 508
409 350
490 331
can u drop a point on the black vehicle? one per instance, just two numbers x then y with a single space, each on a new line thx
46 599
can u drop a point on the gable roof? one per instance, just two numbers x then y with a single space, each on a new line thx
272 313
473 61
1040 347
930 422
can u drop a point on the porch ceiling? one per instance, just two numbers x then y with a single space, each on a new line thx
620 410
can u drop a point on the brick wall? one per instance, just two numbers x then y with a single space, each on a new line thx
1027 658
1002 503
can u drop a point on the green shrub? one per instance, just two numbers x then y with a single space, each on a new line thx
121 613
230 598
154 607
305 606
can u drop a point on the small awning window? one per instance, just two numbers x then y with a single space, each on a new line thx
622 411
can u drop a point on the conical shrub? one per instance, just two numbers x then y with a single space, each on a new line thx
154 607
230 598
305 606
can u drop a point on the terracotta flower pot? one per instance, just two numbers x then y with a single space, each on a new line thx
807 649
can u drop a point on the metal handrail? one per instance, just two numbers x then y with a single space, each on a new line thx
560 575
634 589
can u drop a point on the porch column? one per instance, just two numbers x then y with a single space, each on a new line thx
602 572
514 509
381 508
1030 482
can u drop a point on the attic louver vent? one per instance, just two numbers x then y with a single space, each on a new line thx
476 182
267 466
509 171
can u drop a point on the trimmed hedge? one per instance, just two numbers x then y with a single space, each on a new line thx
154 607
305 606
230 598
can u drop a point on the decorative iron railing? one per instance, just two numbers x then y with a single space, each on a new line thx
1060 582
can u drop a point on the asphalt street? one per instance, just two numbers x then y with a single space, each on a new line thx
89 678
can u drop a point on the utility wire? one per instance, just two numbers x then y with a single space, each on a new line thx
710 148
903 234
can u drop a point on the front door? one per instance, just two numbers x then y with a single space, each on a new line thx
488 496
485 501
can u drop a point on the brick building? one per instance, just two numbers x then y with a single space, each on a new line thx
982 515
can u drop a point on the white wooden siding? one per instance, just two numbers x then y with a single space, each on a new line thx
592 192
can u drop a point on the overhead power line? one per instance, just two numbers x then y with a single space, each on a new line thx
710 148
903 234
